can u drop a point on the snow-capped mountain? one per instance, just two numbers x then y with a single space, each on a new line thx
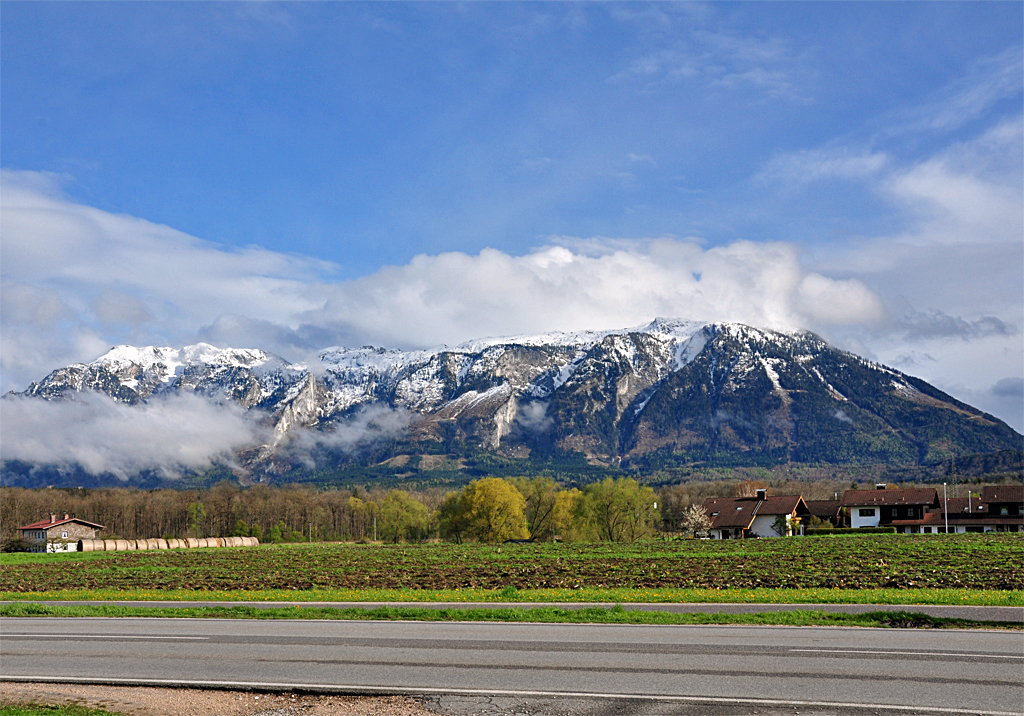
669 392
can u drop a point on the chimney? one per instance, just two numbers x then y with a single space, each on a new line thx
67 516
762 494
879 485
53 517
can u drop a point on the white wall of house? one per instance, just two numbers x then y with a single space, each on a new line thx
860 517
764 526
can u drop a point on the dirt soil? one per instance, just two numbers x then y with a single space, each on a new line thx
146 701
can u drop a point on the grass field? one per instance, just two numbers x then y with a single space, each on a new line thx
586 615
934 569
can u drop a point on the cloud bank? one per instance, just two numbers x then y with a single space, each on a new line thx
77 279
169 435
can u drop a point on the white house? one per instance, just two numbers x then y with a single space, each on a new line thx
758 516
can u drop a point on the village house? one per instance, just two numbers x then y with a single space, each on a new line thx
903 509
1000 508
830 511
758 516
58 535
1005 503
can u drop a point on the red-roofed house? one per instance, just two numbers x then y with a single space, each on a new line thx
56 535
759 516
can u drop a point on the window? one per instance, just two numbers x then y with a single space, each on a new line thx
866 512
64 535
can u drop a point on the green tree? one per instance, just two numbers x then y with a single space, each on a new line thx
256 531
361 515
621 510
402 517
241 529
196 515
279 532
452 522
781 525
493 509
571 520
541 495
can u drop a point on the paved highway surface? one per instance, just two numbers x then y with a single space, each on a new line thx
772 667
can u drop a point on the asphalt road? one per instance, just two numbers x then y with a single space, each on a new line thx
799 669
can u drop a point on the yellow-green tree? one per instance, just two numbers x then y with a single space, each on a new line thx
620 510
402 517
451 517
571 521
493 510
541 495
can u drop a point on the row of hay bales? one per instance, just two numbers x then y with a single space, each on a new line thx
129 545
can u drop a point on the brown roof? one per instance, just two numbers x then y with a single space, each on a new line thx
46 524
731 511
874 498
728 512
962 505
1003 493
783 505
824 508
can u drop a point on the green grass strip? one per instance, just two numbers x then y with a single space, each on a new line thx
67 710
909 597
586 615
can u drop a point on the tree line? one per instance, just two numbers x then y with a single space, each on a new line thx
488 510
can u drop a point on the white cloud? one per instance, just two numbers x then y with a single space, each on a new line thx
968 193
169 435
454 296
810 165
986 82
87 278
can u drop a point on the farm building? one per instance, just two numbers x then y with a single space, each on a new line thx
58 535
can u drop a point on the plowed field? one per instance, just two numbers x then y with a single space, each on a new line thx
863 562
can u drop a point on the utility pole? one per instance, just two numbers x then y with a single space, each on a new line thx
945 507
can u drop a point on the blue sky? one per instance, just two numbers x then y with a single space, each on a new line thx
416 174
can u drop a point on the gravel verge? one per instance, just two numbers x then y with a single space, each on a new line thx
149 701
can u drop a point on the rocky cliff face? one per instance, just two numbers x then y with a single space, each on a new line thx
670 392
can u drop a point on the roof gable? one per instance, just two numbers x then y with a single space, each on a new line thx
46 524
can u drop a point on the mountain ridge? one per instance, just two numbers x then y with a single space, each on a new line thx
668 393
